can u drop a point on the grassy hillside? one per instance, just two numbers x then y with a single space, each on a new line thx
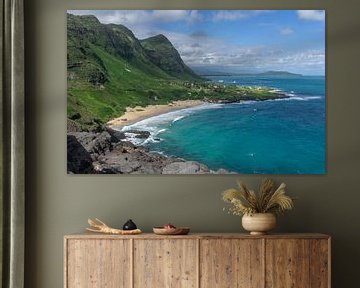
109 69
126 85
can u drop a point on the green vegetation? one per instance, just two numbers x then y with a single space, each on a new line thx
213 92
164 55
109 69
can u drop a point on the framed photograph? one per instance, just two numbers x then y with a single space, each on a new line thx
196 92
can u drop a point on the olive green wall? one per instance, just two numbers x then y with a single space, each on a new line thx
58 204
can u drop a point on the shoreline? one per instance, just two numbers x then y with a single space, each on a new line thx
139 113
112 151
136 114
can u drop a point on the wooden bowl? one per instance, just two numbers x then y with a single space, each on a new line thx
171 231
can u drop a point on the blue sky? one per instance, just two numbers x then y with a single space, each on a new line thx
233 40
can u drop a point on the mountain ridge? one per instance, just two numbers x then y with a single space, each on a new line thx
164 55
108 69
208 71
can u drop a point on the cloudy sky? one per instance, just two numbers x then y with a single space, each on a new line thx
233 40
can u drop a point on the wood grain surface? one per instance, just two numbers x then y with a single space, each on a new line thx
165 263
98 263
319 263
231 263
287 263
197 260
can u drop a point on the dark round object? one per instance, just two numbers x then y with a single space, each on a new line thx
129 225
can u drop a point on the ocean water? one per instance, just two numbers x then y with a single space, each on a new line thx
284 136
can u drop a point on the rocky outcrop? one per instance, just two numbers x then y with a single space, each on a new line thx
108 152
96 144
127 158
116 136
187 167
78 159
139 134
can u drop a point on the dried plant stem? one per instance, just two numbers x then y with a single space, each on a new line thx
101 227
268 200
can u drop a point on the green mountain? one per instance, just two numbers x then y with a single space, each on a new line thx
109 69
164 55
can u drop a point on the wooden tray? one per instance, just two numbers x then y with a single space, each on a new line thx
171 231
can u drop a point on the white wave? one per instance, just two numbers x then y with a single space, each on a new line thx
290 98
245 102
313 97
177 119
131 137
155 125
275 90
169 117
160 131
292 95
151 140
298 98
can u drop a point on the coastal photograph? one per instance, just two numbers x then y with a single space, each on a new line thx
196 92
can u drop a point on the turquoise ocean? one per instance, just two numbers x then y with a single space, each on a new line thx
285 136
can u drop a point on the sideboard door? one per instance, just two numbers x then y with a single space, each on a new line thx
98 263
287 263
320 263
168 263
231 263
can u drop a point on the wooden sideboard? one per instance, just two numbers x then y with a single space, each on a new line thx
197 260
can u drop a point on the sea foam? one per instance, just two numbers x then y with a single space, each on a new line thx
156 124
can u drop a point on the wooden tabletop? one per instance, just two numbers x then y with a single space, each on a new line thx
89 235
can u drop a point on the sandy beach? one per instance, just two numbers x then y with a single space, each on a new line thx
138 113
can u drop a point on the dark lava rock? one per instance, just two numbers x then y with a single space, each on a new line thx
116 136
130 159
139 134
78 159
95 143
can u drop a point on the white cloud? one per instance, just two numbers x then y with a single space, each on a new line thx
195 16
199 49
138 17
311 15
229 15
233 15
286 31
